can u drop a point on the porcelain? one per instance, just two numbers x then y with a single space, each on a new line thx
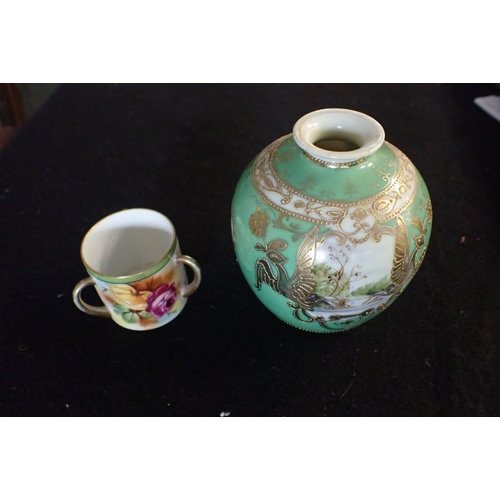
330 223
134 261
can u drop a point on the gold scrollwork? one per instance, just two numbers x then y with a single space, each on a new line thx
428 211
360 214
404 265
400 262
300 287
386 205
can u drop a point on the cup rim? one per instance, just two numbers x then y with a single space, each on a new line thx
131 278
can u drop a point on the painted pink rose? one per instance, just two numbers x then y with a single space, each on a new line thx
162 300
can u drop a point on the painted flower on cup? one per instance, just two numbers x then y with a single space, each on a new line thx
144 301
129 296
162 300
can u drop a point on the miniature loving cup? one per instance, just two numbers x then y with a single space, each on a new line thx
135 263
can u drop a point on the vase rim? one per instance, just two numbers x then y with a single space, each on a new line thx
337 137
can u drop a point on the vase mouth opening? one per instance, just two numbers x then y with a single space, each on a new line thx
337 136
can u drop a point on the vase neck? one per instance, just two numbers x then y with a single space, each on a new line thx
338 138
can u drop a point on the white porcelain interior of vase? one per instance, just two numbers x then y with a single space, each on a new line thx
338 135
128 242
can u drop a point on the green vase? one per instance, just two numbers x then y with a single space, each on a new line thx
330 223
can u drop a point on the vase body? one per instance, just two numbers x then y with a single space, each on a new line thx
330 223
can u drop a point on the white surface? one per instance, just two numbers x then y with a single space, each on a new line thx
490 104
128 242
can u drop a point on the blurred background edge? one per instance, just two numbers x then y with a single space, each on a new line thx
18 103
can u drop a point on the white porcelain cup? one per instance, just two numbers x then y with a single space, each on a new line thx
135 263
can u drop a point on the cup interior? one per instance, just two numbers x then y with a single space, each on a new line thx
127 242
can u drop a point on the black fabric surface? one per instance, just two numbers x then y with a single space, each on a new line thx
180 149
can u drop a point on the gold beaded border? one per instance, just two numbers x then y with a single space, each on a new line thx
273 147
327 164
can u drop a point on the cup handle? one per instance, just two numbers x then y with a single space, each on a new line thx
189 261
82 305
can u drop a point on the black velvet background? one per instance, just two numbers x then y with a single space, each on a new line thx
180 149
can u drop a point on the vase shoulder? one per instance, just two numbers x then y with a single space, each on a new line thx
304 174
384 183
